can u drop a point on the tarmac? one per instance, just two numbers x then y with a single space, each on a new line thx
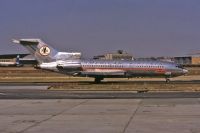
32 108
100 116
24 91
28 106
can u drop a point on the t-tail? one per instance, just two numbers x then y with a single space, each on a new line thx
40 50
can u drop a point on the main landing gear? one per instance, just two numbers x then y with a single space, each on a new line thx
97 80
167 80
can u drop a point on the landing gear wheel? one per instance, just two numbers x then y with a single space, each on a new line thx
98 80
167 80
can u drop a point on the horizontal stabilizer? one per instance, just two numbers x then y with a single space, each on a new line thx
27 41
15 41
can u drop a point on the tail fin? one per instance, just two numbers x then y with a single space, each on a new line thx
40 50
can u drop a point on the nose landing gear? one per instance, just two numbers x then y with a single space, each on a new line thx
168 75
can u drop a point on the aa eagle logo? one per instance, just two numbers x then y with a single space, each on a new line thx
45 50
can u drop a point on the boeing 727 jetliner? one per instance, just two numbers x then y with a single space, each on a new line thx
50 59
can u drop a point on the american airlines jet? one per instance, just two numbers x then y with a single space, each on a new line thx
67 63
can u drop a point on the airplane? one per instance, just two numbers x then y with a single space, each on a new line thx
49 59
10 63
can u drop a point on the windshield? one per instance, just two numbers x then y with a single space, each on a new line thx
179 66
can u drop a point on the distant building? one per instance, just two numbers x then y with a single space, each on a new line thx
187 60
24 59
196 60
168 59
12 56
28 60
119 55
183 60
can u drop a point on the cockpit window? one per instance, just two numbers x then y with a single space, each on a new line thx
179 66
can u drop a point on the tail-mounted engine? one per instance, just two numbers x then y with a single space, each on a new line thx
69 65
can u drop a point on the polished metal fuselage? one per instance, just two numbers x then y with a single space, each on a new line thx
115 68
68 63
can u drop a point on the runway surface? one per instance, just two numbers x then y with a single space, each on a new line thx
100 116
126 82
40 91
32 108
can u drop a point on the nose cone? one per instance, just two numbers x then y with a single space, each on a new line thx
185 71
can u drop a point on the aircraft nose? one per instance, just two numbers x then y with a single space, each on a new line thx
185 71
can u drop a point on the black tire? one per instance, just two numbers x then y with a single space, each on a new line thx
167 80
98 80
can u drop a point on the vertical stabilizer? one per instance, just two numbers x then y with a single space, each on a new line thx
40 50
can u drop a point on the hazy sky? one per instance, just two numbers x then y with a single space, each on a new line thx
140 27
